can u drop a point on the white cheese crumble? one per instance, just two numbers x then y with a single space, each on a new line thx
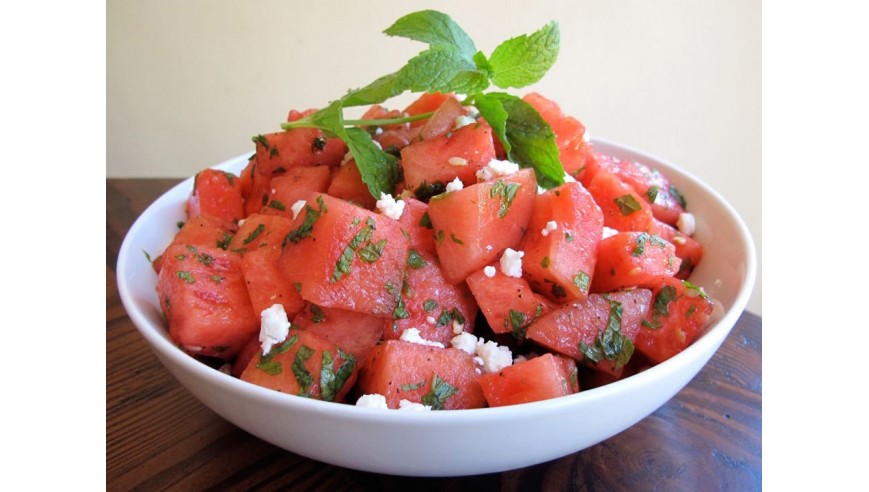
496 168
389 207
431 320
455 185
274 326
489 356
489 271
412 335
550 226
297 207
608 232
568 178
413 406
241 222
540 190
465 342
463 120
457 161
375 400
493 357
511 263
686 224
458 328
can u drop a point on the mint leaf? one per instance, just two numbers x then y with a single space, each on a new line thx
379 169
434 28
523 60
373 93
483 64
530 138
492 110
442 69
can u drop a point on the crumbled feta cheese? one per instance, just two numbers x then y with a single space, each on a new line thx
457 161
540 190
297 207
375 400
568 178
511 263
489 271
686 224
430 320
464 120
496 168
458 328
550 226
274 326
465 342
389 207
241 222
378 130
608 231
412 335
412 406
455 185
494 357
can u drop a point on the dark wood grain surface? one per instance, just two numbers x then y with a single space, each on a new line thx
158 436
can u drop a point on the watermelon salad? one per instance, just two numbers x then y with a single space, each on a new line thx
471 249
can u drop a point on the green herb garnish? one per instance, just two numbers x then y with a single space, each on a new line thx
440 391
452 64
627 204
610 344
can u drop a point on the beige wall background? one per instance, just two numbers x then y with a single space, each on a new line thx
189 82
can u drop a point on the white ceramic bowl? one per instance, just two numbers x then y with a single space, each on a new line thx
447 443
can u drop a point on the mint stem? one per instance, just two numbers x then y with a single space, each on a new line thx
305 123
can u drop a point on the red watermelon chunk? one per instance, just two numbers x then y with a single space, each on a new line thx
633 259
204 299
678 314
430 304
355 333
473 226
343 256
541 378
508 303
306 365
560 262
599 331
442 378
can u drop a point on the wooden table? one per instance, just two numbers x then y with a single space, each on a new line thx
158 436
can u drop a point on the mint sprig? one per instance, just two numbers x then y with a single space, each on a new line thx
452 64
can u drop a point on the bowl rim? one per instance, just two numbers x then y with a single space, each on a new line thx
708 343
